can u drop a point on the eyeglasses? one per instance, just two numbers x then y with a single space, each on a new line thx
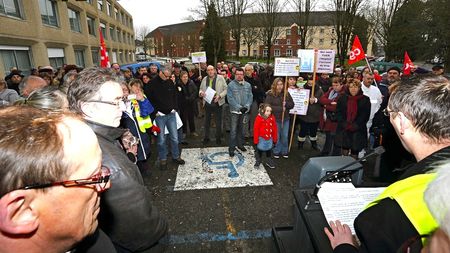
100 180
115 103
387 113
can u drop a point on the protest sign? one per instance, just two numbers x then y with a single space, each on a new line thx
301 101
198 57
306 60
325 61
287 66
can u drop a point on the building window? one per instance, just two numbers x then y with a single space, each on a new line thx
56 57
95 57
288 52
275 42
18 57
79 57
109 9
255 52
333 41
288 32
244 52
276 52
332 30
320 41
119 35
74 20
10 8
322 30
100 5
91 25
123 17
112 33
265 52
103 28
124 38
48 12
288 42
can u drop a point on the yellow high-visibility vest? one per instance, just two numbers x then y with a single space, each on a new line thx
144 123
409 194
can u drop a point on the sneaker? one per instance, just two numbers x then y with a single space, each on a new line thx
179 161
163 165
243 149
257 164
231 153
194 134
286 156
205 141
276 156
271 164
184 143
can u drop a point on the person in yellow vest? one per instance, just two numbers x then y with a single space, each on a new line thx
136 117
419 111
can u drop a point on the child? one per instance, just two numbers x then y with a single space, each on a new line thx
264 135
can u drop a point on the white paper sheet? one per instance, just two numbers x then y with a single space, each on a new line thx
209 95
342 201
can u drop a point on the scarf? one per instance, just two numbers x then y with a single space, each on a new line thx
333 94
213 86
352 111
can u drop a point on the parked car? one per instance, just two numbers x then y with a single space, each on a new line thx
135 66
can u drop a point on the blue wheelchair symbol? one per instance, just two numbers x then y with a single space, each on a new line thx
225 164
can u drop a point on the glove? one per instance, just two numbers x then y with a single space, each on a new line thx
243 110
155 130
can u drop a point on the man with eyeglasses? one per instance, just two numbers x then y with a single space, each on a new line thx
128 217
49 198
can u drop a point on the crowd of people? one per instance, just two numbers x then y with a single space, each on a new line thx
111 117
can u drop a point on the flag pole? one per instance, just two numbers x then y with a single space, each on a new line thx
370 68
284 101
292 132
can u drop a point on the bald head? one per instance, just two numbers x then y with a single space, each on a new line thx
30 84
211 71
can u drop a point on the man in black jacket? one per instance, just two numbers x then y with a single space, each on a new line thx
258 98
162 93
418 111
127 215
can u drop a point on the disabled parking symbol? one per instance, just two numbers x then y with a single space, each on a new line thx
220 160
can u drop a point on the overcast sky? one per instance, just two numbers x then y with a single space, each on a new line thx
154 13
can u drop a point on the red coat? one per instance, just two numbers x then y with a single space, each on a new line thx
265 128
329 126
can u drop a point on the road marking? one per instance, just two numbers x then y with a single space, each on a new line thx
212 168
217 237
227 213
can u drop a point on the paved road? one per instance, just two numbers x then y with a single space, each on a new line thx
228 219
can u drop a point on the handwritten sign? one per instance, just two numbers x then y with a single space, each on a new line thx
325 61
287 66
306 60
301 101
198 57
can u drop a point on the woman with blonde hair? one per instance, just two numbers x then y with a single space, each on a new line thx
275 98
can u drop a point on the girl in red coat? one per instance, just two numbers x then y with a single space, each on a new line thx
264 135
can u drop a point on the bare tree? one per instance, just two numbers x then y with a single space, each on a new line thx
385 12
201 10
141 33
301 16
234 10
269 23
250 33
345 15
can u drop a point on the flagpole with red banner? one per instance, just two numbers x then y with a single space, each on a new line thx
407 64
357 54
104 59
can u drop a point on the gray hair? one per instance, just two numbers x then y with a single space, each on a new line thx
49 98
248 66
437 196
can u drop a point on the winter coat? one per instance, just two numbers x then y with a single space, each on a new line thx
265 128
239 95
330 110
315 110
276 102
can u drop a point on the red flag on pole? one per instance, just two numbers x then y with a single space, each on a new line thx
407 64
104 63
357 52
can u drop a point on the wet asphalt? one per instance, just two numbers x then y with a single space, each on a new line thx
228 219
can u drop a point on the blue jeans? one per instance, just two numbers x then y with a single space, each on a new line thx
236 131
282 148
170 122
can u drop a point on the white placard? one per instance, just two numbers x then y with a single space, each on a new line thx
343 202
209 95
301 101
325 61
306 60
198 57
287 66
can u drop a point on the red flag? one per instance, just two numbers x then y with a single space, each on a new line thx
407 64
104 63
357 52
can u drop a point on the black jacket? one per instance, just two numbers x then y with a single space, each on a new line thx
162 94
384 227
257 89
127 214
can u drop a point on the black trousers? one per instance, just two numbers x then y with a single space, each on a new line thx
217 111
307 128
187 113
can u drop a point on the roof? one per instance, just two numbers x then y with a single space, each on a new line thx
317 18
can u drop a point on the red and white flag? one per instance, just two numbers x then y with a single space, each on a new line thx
104 59
407 65
357 52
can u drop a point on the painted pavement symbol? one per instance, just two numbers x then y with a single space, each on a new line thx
211 168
